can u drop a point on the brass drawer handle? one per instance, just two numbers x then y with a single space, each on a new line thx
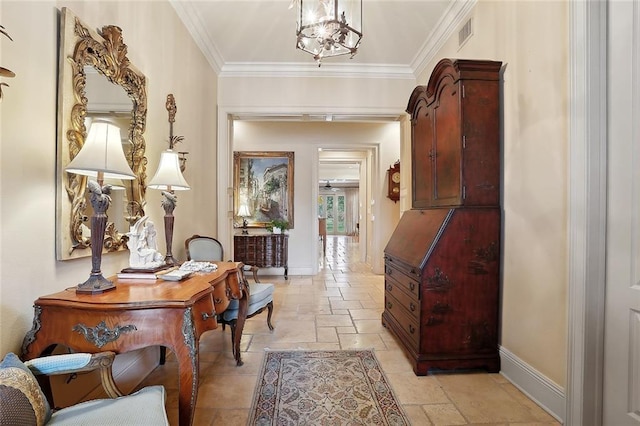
412 329
389 287
206 316
412 286
412 307
389 305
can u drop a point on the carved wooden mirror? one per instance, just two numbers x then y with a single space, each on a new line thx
94 64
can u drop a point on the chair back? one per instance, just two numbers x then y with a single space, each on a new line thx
204 249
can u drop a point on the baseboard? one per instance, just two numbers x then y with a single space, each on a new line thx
280 272
532 383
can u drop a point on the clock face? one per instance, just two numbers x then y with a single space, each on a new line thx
395 177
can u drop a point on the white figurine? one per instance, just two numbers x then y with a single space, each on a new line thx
143 248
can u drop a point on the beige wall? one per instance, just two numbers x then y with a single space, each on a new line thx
304 139
162 49
531 39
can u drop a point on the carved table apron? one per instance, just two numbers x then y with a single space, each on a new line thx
138 314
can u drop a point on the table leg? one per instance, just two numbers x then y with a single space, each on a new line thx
186 352
243 307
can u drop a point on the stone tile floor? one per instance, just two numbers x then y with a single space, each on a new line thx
340 308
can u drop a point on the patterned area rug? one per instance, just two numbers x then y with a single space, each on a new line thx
324 388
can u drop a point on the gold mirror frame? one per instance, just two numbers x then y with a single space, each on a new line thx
107 53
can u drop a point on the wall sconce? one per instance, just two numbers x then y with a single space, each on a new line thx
168 178
183 160
101 157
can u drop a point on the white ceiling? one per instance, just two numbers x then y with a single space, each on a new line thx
241 36
257 37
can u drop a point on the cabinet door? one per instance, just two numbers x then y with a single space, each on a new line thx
447 152
422 148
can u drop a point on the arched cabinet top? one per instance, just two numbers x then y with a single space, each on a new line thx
452 70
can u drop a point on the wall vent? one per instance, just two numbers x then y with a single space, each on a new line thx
465 33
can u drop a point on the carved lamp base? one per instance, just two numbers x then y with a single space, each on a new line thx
95 284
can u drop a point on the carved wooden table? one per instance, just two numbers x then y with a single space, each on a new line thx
141 313
262 250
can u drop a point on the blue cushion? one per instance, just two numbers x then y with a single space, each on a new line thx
259 295
55 363
23 402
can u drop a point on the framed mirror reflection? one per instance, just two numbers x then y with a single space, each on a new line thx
96 80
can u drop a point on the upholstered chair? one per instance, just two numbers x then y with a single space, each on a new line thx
203 248
24 402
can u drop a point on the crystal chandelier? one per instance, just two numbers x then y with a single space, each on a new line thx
327 28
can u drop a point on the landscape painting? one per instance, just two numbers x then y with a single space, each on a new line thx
263 187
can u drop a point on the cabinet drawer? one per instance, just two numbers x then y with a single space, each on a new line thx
408 301
220 298
409 284
406 322
204 314
409 270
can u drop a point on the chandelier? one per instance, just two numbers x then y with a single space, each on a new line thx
328 28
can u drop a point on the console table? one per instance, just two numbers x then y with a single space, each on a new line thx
139 313
262 250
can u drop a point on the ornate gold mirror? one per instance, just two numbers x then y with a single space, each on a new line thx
101 56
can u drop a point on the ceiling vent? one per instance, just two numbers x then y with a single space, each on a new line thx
465 33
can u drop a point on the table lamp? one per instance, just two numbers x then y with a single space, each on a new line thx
244 213
168 178
100 157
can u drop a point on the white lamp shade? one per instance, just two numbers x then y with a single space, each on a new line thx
243 211
102 152
169 176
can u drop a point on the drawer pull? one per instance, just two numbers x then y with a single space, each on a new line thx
412 307
389 305
412 286
206 316
412 329
389 287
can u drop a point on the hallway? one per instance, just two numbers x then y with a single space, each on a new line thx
340 308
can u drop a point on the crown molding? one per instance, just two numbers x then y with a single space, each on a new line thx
197 29
455 15
307 69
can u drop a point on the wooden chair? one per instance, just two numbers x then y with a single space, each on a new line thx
322 231
203 248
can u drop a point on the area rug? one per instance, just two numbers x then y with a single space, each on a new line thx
336 388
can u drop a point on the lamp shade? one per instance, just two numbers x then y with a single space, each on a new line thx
243 211
168 176
102 152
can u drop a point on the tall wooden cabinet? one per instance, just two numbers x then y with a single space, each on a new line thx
442 263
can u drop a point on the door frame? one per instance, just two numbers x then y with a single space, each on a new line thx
587 211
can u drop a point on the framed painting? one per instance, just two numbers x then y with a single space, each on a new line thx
262 188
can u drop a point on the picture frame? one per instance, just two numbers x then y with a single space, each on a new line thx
263 188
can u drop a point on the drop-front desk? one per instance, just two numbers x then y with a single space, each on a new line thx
140 313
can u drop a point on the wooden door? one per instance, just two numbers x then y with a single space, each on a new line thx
447 151
621 405
422 147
